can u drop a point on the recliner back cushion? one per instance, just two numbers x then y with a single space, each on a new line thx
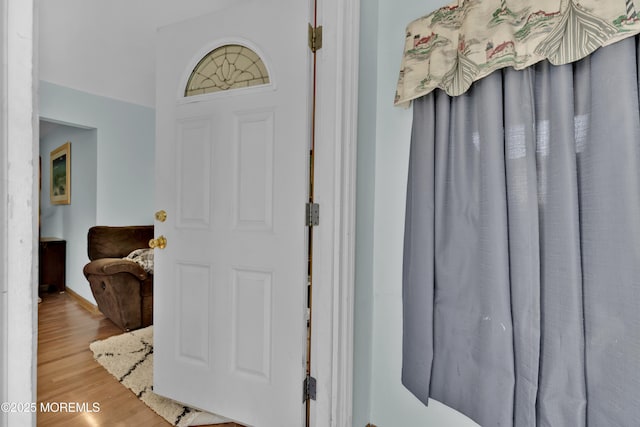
117 242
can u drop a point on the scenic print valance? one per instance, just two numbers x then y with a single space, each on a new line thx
467 40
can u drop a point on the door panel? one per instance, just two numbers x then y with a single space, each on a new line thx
232 174
254 142
193 167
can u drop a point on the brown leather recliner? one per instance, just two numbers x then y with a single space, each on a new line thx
122 288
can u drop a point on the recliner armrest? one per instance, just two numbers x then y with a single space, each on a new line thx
109 266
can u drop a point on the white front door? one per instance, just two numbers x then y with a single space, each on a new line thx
232 176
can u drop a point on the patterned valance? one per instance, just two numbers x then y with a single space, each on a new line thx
467 40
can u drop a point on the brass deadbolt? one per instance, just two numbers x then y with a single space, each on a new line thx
161 216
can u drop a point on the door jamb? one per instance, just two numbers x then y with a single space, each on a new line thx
18 210
335 188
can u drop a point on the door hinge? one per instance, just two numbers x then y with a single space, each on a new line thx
309 389
315 38
313 214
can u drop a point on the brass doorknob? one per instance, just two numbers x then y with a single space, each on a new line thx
160 243
161 216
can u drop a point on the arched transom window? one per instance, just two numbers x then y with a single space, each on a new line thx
228 67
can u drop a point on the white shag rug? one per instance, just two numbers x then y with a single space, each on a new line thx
129 358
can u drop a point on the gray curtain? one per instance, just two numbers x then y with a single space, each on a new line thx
521 281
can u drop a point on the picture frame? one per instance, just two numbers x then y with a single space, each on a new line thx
60 175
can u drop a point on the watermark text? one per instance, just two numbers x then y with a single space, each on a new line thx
66 407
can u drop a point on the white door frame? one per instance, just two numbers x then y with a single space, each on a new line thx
334 248
18 210
335 188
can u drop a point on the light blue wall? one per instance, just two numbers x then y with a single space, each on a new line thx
125 132
383 141
363 321
71 222
123 173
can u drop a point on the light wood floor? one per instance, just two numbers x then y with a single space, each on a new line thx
67 371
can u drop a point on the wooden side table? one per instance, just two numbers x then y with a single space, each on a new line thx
53 259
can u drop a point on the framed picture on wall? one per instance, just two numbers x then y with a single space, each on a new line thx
60 174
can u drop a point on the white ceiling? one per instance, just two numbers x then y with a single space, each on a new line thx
107 48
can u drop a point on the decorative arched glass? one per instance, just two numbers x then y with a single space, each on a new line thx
228 67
